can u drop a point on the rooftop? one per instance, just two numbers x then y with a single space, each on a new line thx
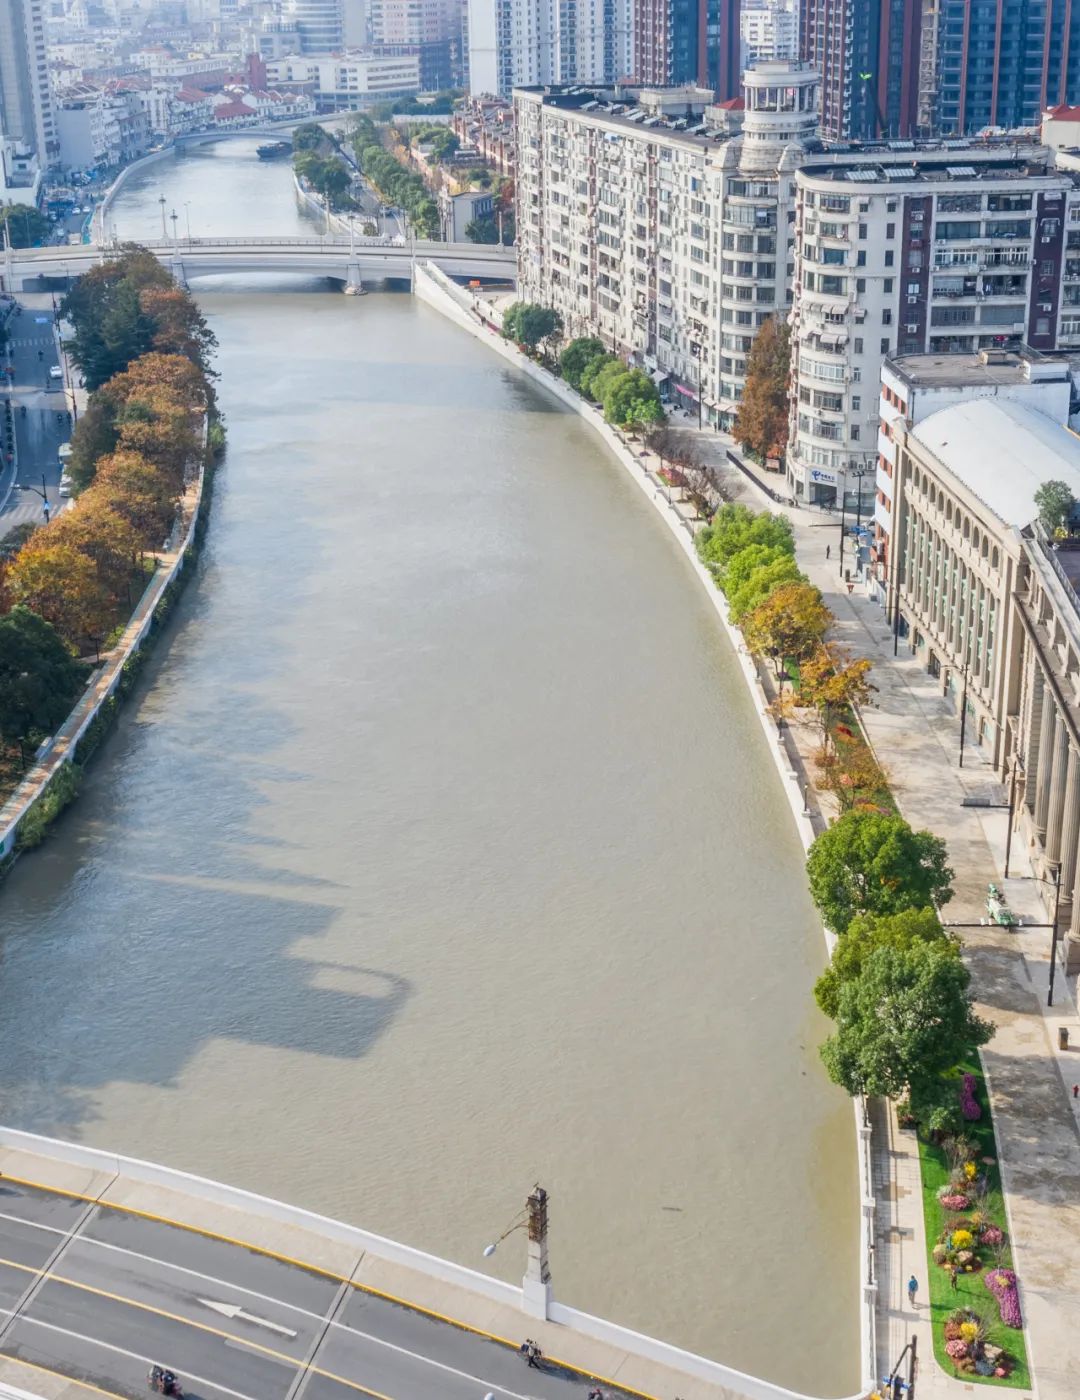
999 367
1002 451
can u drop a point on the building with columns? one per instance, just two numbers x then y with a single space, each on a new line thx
991 605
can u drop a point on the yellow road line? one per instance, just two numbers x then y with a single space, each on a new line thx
62 1375
322 1272
295 1363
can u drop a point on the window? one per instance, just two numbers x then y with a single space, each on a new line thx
913 289
854 432
862 230
860 284
860 258
856 373
885 345
856 402
890 230
886 317
887 285
889 258
858 345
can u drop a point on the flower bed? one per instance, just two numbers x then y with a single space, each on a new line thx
976 1325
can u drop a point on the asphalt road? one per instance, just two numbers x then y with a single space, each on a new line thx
98 1295
38 434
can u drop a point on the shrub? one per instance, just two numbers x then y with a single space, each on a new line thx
1002 1284
957 1348
953 1200
969 1104
992 1235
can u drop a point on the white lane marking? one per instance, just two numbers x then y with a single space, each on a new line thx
234 1310
265 1298
122 1351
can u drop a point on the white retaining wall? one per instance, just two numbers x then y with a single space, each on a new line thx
363 1241
439 291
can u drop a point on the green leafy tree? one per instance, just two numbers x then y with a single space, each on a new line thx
308 137
484 230
734 527
610 373
871 862
14 540
760 583
577 356
1054 501
528 323
26 227
104 306
39 678
749 559
904 1020
864 935
633 401
593 370
761 422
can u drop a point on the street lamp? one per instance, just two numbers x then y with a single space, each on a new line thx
536 1285
174 216
187 219
161 203
695 350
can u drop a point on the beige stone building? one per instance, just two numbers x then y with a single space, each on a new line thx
991 604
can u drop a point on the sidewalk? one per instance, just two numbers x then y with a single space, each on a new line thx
915 733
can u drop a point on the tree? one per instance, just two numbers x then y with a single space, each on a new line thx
833 683
780 570
61 585
39 678
592 372
105 537
309 136
26 226
1054 502
902 1022
484 230
179 326
93 436
104 309
633 400
761 422
14 540
576 358
873 862
610 373
529 323
735 526
137 491
789 624
864 935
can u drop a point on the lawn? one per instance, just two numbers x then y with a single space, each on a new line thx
971 1291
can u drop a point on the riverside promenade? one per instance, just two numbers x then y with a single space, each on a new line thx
109 1265
915 734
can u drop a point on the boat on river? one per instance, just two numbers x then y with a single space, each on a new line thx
273 150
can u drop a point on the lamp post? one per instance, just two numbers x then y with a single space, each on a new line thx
161 203
1054 933
536 1285
963 713
174 216
695 350
187 219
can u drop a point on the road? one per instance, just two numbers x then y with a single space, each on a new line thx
98 1294
38 433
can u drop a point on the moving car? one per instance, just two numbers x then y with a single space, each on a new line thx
56 373
65 485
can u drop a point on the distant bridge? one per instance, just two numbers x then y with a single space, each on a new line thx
351 261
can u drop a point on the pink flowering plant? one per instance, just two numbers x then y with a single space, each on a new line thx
969 1104
1002 1284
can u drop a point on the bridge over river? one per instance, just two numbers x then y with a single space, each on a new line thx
351 261
109 1265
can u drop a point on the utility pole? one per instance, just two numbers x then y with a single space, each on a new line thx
963 714
1012 816
1054 933
164 230
536 1285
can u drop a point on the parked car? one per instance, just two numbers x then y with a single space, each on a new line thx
65 485
56 373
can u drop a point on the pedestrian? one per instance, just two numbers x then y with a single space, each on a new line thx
828 551
912 1289
953 1271
1076 1091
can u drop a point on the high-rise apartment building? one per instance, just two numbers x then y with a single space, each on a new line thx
26 109
868 54
688 41
998 65
320 25
769 30
663 223
514 43
930 249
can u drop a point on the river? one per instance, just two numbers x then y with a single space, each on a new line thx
441 853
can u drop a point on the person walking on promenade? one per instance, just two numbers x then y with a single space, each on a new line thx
953 1272
828 551
912 1289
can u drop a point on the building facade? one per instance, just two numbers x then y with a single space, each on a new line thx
998 65
319 24
989 603
915 386
769 30
697 42
662 223
869 55
937 249
350 79
26 108
515 43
